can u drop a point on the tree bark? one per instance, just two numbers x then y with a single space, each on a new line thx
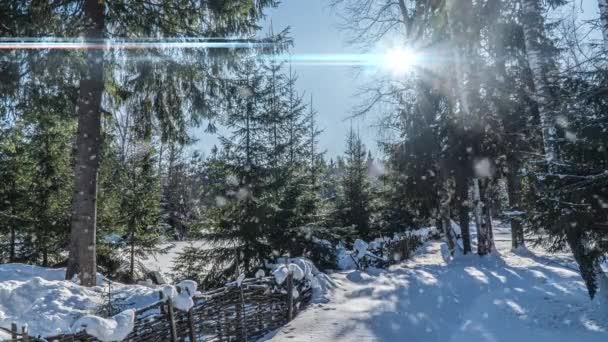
534 37
82 257
483 214
132 258
514 192
444 213
462 203
603 5
11 256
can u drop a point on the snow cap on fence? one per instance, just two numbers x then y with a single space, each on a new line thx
168 291
239 280
107 329
282 271
361 248
182 299
189 286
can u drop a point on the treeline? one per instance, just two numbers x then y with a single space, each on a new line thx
89 131
98 165
504 114
505 101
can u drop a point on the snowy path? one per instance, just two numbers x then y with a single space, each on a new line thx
514 298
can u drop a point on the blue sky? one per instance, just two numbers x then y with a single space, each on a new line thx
314 29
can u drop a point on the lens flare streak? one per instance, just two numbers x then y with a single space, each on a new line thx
81 44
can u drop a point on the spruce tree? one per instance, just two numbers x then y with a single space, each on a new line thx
354 198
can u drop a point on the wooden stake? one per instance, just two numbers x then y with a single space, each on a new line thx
191 331
24 336
289 297
172 320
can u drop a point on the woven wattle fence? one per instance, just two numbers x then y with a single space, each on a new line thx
231 313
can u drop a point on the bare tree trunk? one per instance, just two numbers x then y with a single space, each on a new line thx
132 258
603 4
514 192
477 208
483 217
602 283
534 34
444 213
82 257
462 203
11 256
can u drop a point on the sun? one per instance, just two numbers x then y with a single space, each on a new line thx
399 60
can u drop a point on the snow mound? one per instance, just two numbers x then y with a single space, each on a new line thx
183 302
280 274
107 329
188 286
321 283
296 271
363 252
260 274
361 247
344 258
181 294
49 305
21 272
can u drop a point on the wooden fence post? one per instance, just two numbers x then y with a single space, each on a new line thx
289 297
14 332
192 334
24 335
161 297
172 320
243 315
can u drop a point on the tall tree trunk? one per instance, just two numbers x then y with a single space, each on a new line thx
483 217
603 4
132 258
12 222
11 256
465 32
542 70
589 265
444 213
513 164
514 192
82 257
462 203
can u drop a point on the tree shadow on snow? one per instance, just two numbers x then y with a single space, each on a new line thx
476 299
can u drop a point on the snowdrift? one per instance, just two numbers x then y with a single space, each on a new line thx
377 253
50 305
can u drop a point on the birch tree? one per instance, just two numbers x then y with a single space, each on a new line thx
543 73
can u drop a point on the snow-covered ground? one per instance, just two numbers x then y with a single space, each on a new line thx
164 262
41 299
513 297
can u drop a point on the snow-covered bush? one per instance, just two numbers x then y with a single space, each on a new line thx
306 276
381 252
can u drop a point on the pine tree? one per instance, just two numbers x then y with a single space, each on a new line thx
242 220
140 207
96 21
354 199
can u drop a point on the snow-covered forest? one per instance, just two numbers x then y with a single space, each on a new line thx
490 159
